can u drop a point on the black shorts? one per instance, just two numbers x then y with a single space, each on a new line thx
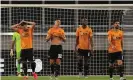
55 52
85 53
115 56
27 54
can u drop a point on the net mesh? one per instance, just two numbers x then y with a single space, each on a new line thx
99 20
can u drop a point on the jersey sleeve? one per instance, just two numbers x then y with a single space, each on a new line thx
77 32
13 37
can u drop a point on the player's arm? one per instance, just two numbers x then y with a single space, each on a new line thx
63 37
91 40
77 42
15 27
109 38
12 45
122 40
49 36
122 44
77 39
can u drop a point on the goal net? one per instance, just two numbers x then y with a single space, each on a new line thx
99 18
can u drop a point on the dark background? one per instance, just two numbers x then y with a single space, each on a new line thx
67 2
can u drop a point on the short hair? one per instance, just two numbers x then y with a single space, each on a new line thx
115 21
57 19
83 17
23 23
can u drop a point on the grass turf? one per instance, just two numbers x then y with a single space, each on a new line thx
65 78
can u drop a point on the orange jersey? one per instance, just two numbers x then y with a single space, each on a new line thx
84 37
26 38
56 34
115 37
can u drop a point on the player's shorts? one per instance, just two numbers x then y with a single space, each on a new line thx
27 54
115 56
55 52
85 53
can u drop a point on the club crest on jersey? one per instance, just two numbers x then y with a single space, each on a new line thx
83 33
116 37
25 34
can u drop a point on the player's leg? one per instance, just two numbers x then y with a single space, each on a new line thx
57 67
58 59
52 66
120 69
32 62
80 61
24 62
120 65
52 58
86 66
86 57
111 57
18 65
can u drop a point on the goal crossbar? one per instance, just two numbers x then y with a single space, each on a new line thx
71 6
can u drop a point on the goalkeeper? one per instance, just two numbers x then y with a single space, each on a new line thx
17 42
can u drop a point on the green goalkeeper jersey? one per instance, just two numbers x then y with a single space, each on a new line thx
17 39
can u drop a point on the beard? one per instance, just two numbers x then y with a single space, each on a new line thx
117 27
84 25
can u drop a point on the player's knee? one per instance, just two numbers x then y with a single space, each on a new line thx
19 61
58 61
111 65
51 61
80 63
79 57
119 62
24 64
57 67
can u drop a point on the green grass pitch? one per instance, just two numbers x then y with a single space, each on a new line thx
65 78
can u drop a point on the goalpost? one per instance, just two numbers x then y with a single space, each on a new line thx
99 18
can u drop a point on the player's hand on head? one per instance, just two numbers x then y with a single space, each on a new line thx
21 21
11 52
